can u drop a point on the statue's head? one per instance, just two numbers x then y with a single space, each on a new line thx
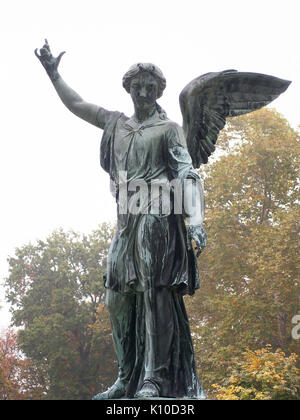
146 70
145 83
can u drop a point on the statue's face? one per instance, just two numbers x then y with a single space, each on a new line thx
144 89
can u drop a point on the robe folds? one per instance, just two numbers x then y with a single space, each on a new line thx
149 253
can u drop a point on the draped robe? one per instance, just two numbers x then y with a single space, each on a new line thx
149 251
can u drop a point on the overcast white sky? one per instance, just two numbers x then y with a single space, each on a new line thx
49 159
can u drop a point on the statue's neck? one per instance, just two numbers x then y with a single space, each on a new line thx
142 113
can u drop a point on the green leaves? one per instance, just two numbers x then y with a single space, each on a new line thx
56 291
250 267
250 285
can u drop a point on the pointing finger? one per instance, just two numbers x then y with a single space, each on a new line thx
46 46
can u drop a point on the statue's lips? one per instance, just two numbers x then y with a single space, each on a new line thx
143 100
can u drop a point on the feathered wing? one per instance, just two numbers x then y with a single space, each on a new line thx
209 99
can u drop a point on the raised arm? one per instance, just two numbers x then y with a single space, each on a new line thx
89 112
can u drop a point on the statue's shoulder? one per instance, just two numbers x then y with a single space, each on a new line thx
124 117
173 127
172 124
113 118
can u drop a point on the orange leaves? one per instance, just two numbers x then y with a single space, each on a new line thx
250 267
19 379
261 374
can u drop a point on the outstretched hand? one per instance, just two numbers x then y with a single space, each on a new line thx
49 62
198 234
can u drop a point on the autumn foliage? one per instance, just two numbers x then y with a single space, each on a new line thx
261 375
20 379
241 318
57 295
250 267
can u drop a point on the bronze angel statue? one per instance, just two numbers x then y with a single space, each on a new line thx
151 262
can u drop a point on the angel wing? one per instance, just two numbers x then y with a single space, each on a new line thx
209 99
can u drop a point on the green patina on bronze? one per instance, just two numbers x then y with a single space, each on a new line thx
151 263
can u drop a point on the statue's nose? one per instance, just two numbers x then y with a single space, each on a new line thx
143 93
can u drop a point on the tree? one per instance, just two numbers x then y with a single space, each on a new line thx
250 269
262 375
250 273
57 294
19 377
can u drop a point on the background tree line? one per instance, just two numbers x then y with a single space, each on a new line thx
241 316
